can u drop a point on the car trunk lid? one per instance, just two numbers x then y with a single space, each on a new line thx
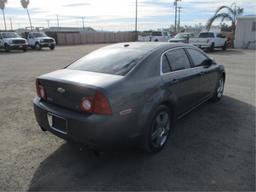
67 87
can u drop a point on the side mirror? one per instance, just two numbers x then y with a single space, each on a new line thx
208 62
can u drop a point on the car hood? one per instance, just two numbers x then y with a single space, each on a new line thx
176 40
43 38
18 38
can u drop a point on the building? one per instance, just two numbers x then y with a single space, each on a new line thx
245 36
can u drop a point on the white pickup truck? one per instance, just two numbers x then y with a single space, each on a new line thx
10 41
155 36
38 40
210 40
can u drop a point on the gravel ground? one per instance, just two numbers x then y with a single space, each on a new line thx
212 148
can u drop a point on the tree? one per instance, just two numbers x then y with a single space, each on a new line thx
2 6
24 4
231 13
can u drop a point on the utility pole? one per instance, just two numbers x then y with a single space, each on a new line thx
176 6
11 23
4 19
58 23
83 23
179 10
136 20
48 23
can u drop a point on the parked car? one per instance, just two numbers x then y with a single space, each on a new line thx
210 41
181 38
127 93
155 36
11 41
38 40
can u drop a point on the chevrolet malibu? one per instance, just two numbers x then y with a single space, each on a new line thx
126 94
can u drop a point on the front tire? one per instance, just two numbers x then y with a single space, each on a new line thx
25 49
52 47
38 46
224 48
158 130
6 48
219 90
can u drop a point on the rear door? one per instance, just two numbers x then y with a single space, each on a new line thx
180 79
208 75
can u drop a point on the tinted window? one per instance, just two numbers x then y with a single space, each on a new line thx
156 33
206 35
178 59
109 60
197 57
165 65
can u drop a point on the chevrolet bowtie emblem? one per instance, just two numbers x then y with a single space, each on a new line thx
61 90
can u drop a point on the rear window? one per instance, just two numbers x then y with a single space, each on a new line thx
110 61
206 35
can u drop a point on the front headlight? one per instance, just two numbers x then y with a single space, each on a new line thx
41 41
10 41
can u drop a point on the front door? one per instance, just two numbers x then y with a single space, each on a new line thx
180 79
208 74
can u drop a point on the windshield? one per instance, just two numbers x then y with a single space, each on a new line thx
156 33
182 36
39 35
206 35
110 61
10 35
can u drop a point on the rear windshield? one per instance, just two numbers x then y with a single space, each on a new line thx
110 61
206 35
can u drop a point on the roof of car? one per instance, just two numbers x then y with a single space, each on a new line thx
146 46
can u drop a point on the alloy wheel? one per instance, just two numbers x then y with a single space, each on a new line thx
220 88
160 129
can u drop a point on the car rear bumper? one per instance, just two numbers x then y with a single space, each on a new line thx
95 131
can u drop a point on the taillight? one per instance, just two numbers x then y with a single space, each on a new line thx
98 104
40 90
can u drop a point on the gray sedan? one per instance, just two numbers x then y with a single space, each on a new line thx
127 94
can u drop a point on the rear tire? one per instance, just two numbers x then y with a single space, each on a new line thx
158 130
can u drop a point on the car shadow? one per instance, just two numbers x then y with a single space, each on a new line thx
209 149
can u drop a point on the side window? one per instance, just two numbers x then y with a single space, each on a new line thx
178 59
197 57
165 65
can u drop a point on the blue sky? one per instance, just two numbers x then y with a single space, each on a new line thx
116 14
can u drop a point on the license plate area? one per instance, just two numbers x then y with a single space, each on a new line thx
57 123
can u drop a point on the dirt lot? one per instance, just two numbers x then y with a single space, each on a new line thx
212 148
